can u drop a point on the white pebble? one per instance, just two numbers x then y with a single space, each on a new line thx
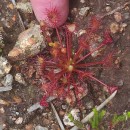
40 128
19 120
83 11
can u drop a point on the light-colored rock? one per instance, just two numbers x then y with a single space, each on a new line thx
108 8
84 11
30 42
5 66
2 110
114 27
8 80
29 127
120 83
40 128
19 78
118 16
25 7
46 121
61 113
82 1
89 103
34 107
19 120
7 83
123 27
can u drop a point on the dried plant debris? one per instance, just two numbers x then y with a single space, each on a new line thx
90 115
34 107
57 117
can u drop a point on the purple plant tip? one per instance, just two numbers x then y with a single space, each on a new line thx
107 39
53 12
44 102
112 89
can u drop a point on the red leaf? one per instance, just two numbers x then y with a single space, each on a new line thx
112 89
44 102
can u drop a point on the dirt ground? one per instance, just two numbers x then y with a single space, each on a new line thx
21 97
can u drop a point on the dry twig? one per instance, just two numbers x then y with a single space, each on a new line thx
90 115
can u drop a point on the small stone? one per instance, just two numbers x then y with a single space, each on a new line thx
84 11
29 127
30 42
19 78
19 120
82 1
17 113
44 114
11 6
123 26
114 27
64 106
102 98
40 128
16 52
34 107
3 102
74 11
55 127
8 79
61 113
5 66
25 7
89 104
117 61
70 99
120 83
108 8
46 121
118 16
17 99
2 110
126 15
7 83
2 126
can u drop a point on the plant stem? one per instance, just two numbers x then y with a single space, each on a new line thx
90 53
97 80
58 35
89 64
76 56
68 44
